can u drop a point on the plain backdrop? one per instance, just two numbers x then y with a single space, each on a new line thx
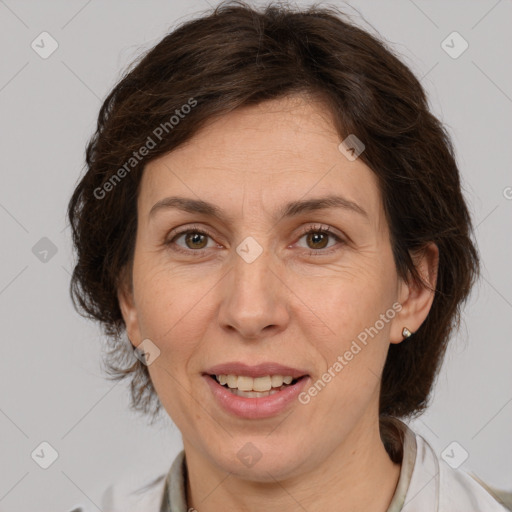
52 386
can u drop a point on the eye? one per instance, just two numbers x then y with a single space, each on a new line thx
317 237
195 240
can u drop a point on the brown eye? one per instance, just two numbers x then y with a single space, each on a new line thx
195 240
318 240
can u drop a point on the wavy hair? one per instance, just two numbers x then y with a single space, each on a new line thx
236 55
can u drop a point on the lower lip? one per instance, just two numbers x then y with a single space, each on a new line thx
255 408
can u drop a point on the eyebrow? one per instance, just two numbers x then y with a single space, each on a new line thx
291 209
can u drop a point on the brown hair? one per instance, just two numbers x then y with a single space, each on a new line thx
237 56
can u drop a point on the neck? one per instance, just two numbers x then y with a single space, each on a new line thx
358 475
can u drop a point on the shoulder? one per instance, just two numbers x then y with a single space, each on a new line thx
435 483
463 490
130 495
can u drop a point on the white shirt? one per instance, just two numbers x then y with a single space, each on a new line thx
426 484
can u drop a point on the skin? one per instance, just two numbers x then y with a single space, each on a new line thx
287 306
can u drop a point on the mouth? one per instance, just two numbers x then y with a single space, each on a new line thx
255 392
249 387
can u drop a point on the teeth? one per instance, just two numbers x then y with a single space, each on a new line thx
253 394
259 384
277 380
231 381
245 384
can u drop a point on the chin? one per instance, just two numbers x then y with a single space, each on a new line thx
259 460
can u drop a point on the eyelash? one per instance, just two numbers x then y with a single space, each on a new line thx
305 231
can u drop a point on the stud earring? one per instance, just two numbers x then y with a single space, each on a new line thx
406 333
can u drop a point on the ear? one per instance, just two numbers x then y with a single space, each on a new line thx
126 301
416 300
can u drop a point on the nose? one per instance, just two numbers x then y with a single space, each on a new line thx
254 298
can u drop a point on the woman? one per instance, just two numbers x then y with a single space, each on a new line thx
274 219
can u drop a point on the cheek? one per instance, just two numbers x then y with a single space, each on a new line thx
169 318
166 299
353 315
347 299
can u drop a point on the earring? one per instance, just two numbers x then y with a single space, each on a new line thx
406 333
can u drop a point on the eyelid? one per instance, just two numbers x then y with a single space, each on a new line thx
185 229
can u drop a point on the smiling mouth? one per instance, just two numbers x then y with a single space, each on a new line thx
248 387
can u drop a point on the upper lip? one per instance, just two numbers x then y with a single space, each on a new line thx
259 370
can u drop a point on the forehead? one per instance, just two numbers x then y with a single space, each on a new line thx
274 152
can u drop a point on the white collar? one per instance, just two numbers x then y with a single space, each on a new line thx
426 484
434 486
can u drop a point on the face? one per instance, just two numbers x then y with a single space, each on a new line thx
250 286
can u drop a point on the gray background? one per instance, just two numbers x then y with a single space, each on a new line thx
51 382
